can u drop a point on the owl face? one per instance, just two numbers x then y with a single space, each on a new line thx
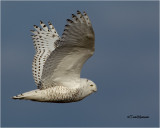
91 86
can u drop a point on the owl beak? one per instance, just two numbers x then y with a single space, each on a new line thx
94 90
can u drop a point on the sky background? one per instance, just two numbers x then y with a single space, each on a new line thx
124 66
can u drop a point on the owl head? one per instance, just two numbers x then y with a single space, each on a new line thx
88 87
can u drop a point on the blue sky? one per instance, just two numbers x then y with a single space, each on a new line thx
124 66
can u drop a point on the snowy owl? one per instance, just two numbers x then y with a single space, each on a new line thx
58 61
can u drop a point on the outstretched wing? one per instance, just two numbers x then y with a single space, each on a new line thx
74 48
44 42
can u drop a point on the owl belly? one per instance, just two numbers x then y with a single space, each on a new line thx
57 94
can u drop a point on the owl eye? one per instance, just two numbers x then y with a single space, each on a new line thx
91 85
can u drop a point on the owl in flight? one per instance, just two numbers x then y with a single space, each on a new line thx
58 61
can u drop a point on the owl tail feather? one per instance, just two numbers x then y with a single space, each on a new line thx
26 95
